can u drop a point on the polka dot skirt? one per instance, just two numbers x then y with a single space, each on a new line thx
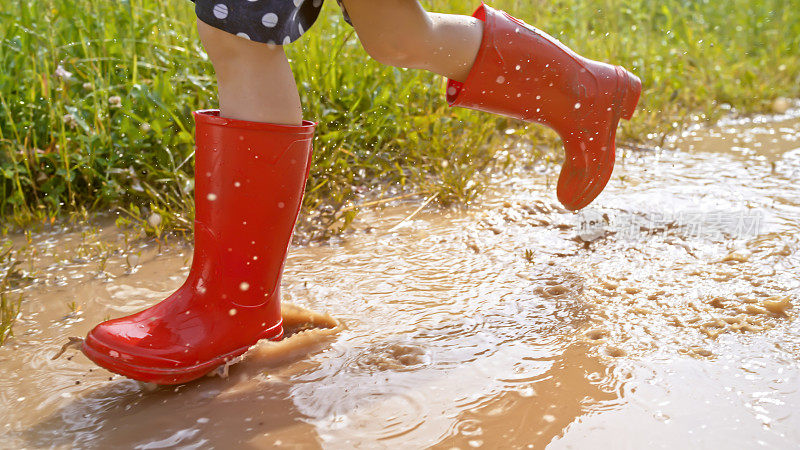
278 22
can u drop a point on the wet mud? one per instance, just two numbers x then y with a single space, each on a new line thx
664 315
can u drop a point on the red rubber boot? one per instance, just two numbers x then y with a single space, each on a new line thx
249 183
522 72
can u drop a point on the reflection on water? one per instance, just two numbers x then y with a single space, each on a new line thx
664 314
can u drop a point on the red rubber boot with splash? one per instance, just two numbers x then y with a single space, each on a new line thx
249 184
522 72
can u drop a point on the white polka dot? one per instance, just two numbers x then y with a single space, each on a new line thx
317 3
300 28
220 11
287 40
297 3
269 20
243 35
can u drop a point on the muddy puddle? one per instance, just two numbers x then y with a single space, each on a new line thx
662 316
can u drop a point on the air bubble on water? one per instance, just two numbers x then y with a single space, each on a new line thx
211 197
244 286
255 258
232 312
518 67
501 79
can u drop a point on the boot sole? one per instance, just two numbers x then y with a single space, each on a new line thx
166 376
630 91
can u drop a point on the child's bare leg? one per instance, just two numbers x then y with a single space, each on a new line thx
401 33
255 81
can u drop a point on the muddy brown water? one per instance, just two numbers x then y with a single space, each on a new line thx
662 316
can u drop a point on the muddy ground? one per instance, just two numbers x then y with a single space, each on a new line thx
661 316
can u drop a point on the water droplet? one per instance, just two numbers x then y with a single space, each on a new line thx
281 205
232 312
501 79
577 105
211 197
154 220
527 392
244 286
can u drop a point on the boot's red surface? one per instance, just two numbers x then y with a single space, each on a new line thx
522 72
249 183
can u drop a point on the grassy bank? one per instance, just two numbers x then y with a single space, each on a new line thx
95 97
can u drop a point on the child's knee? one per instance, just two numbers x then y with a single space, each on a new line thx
395 48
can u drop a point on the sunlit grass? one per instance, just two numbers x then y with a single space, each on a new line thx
96 97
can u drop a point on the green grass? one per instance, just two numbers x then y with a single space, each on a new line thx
96 96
